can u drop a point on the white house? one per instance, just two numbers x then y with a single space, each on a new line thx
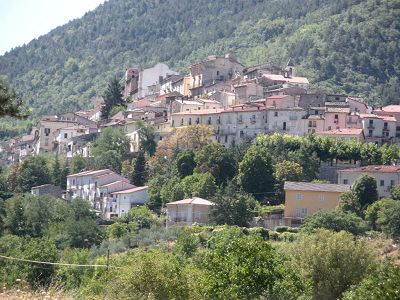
188 211
119 203
386 176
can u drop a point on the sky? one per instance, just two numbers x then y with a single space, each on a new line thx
24 20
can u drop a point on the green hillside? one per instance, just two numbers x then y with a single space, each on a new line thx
349 46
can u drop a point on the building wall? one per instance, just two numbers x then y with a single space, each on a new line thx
122 203
290 121
300 204
187 214
152 76
384 181
332 123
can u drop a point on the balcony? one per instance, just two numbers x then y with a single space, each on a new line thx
371 126
385 129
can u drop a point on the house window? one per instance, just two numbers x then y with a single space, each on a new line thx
382 183
182 121
47 131
65 135
301 212
226 139
336 117
329 128
309 123
209 121
190 121
275 114
392 183
284 126
173 123
370 133
322 197
299 196
371 122
345 181
217 73
241 133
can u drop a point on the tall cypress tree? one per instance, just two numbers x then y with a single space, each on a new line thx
112 97
138 177
56 172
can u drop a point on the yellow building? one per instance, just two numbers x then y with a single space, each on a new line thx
303 199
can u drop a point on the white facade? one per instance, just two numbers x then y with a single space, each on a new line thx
152 76
386 177
119 203
288 120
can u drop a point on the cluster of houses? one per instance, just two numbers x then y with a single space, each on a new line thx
239 103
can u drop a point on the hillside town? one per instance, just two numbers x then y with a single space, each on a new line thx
238 103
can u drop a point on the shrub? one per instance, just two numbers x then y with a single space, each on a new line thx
281 228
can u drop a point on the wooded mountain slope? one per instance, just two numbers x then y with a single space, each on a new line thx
346 46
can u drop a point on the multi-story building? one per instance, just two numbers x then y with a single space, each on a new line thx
101 188
303 199
386 177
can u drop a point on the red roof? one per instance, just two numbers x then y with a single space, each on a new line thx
343 131
392 108
374 168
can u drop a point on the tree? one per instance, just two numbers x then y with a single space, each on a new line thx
286 171
199 185
390 154
185 163
255 172
172 190
146 138
366 190
117 230
333 261
110 159
217 160
32 172
138 176
336 221
78 164
349 203
112 97
56 172
382 283
233 208
241 266
10 104
111 139
142 217
395 192
389 218
194 136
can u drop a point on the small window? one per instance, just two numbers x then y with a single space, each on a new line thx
382 183
299 196
392 183
65 135
336 117
276 114
345 181
322 197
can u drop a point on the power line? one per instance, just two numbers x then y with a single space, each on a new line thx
55 264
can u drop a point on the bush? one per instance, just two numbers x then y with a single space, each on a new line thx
281 228
336 221
263 232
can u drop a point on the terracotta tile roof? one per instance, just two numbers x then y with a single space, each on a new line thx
195 200
373 169
392 108
388 118
343 131
132 190
316 187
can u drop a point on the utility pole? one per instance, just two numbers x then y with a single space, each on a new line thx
108 260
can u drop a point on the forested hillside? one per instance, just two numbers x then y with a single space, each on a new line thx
348 46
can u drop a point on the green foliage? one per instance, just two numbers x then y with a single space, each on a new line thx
172 190
185 163
366 190
332 261
383 283
286 171
233 207
389 218
110 159
138 176
336 221
199 185
10 105
142 216
217 160
146 138
241 266
395 192
349 203
78 164
117 230
112 97
27 248
111 139
33 171
56 172
255 171
329 42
